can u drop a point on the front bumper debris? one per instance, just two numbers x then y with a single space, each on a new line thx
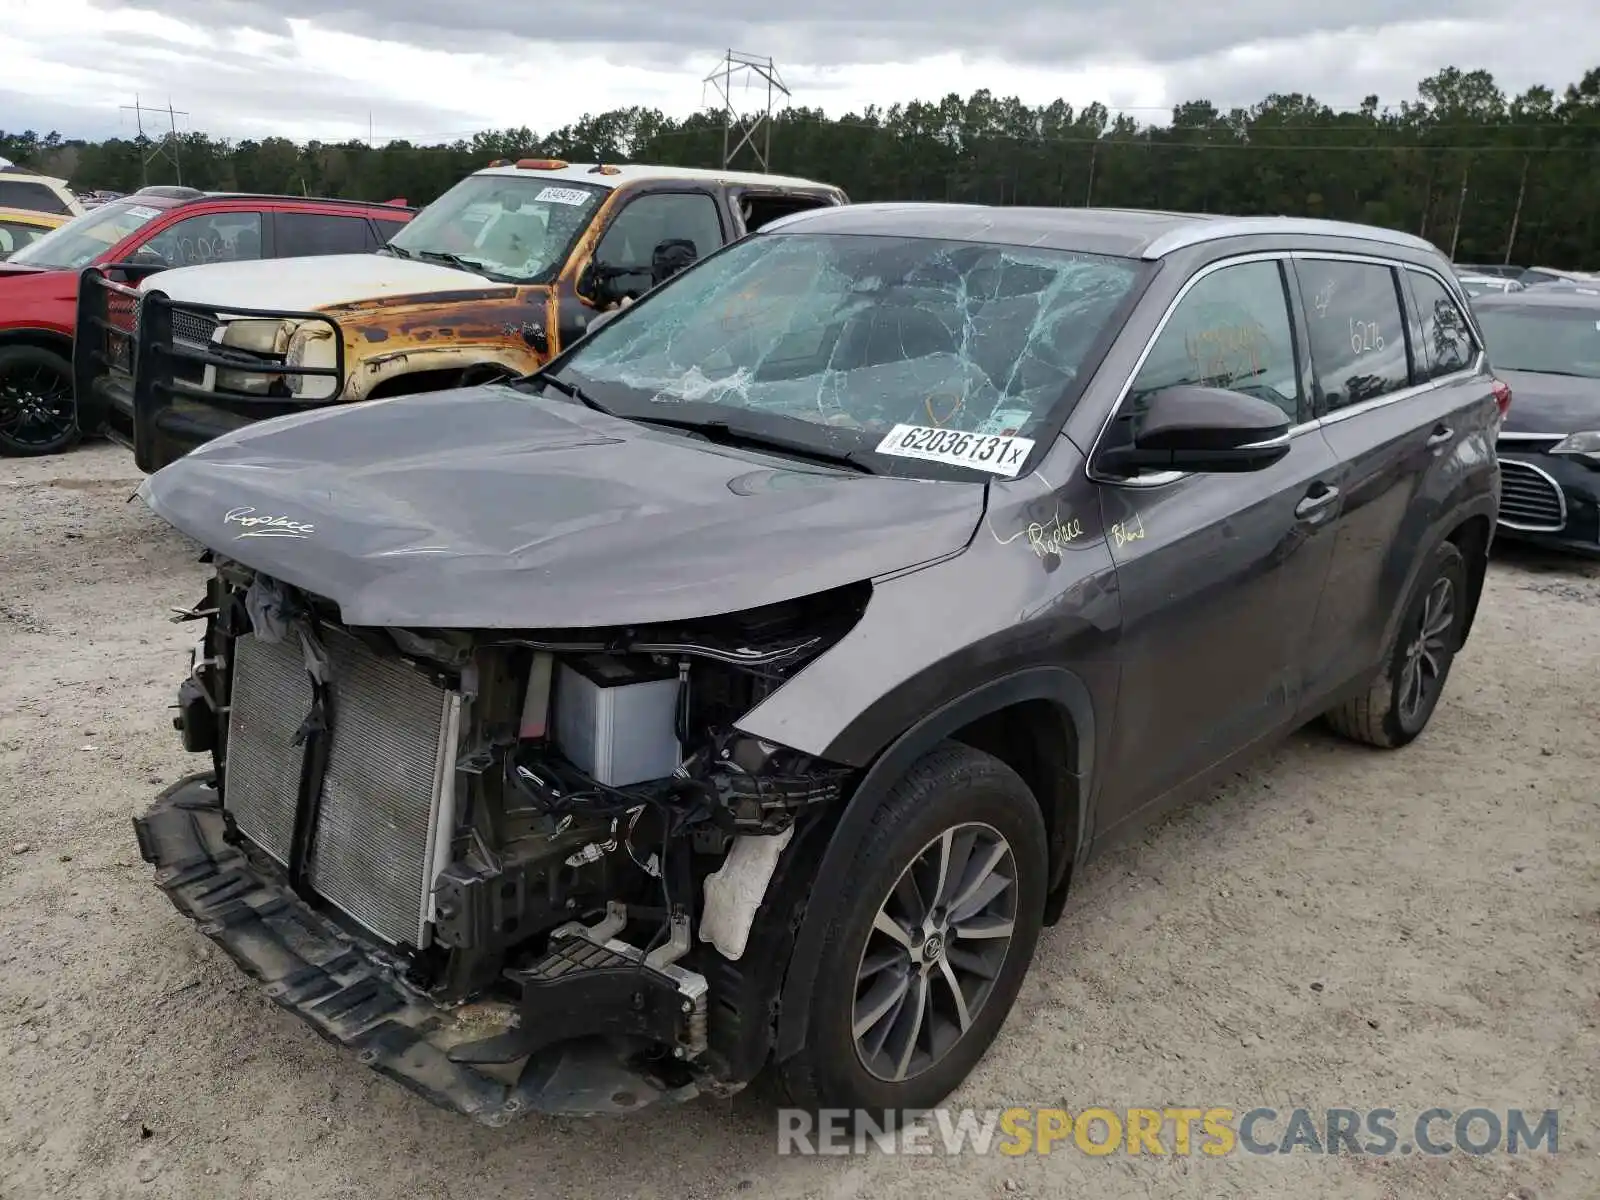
351 996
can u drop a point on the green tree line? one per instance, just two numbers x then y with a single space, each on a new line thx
1484 175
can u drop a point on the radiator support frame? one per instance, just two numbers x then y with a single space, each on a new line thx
371 820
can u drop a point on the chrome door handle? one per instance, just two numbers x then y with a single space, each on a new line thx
1312 505
1441 434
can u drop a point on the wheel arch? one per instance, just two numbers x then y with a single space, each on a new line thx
437 369
1040 722
1470 527
1472 537
41 339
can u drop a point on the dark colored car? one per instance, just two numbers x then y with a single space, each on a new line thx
132 238
1545 342
749 684
1492 270
1483 285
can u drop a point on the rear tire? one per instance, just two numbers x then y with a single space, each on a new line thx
885 1001
37 413
1401 700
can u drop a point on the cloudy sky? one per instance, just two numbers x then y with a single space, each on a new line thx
434 70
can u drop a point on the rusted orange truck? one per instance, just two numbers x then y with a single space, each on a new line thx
488 282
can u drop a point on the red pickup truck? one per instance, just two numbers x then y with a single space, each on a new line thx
149 231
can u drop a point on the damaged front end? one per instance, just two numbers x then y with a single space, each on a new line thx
515 871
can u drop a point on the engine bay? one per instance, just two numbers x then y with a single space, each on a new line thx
563 826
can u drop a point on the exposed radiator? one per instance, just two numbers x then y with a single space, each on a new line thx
386 792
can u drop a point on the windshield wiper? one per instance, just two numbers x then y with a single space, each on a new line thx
568 389
466 264
723 434
386 248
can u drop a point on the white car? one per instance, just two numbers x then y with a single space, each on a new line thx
20 188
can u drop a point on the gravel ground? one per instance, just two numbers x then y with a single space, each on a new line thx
1333 927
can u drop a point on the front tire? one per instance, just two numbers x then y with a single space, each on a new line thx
929 943
37 412
1401 701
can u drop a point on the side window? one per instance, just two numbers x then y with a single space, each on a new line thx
646 222
387 229
1231 330
1447 341
211 237
1356 330
302 235
18 193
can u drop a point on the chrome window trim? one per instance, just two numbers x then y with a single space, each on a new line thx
1533 437
1157 479
1196 233
1561 501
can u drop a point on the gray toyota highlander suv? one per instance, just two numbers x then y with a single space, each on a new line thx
747 686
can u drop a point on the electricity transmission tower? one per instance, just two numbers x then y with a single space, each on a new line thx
750 68
167 147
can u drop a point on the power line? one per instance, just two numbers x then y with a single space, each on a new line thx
168 146
722 79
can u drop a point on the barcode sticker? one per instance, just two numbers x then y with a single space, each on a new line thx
560 195
997 454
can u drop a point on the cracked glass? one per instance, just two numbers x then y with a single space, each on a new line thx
851 335
509 228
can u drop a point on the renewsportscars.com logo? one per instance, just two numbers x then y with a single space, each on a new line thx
1173 1131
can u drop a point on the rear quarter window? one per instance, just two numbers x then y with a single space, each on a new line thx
1447 344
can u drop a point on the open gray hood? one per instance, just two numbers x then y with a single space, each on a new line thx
487 508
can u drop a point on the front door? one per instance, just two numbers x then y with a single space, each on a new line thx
1219 575
631 238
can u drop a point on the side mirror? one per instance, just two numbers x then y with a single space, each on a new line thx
597 283
1205 430
669 257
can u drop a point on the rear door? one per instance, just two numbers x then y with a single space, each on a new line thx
1403 406
1219 575
299 233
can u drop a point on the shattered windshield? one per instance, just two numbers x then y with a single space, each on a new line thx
84 239
512 228
859 336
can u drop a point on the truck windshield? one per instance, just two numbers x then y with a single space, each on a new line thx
84 239
515 228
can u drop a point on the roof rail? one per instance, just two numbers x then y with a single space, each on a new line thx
1197 232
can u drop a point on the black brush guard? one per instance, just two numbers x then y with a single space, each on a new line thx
138 385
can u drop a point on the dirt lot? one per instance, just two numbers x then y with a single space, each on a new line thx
1335 927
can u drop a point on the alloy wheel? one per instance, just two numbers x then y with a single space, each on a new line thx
1423 672
36 408
936 946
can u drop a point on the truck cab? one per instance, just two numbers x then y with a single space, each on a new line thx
488 283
